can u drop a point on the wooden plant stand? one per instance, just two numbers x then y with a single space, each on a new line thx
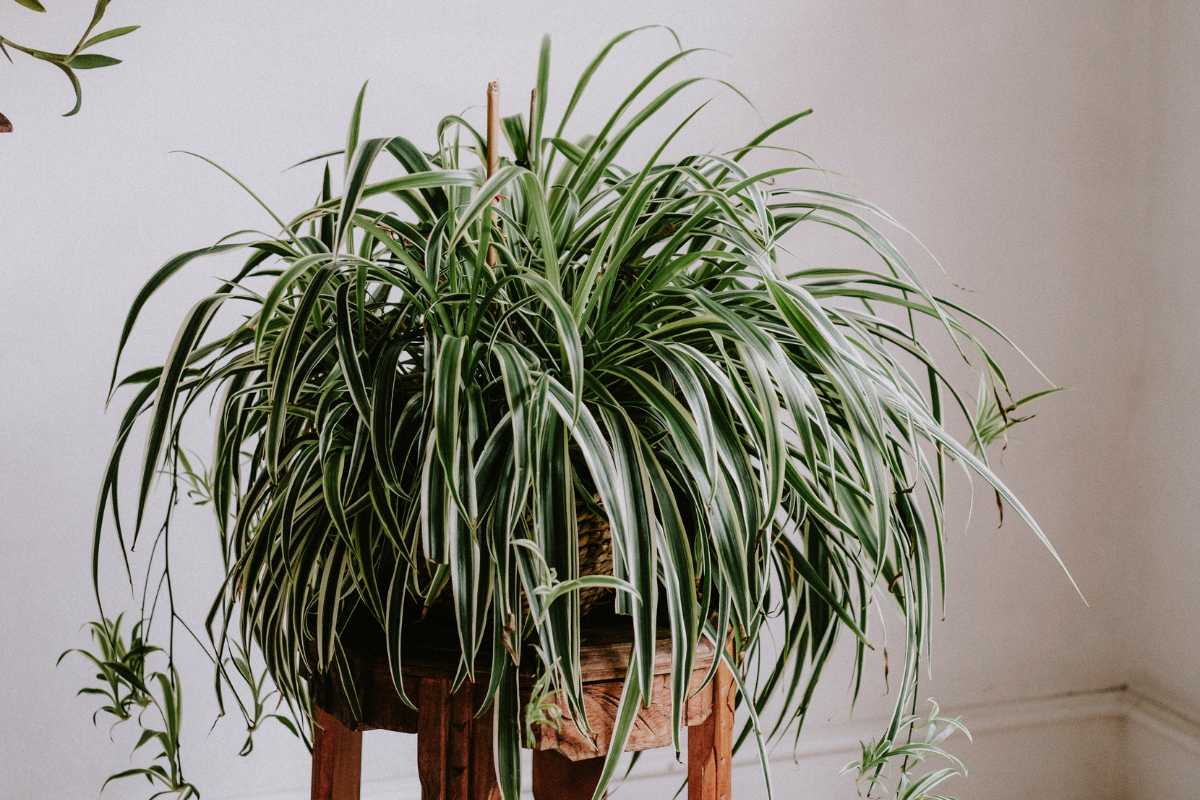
454 747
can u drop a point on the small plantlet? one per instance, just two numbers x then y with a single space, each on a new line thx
151 699
541 709
917 739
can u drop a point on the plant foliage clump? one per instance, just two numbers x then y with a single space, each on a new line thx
402 425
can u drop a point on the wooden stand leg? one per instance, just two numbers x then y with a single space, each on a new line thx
710 745
336 759
556 777
454 749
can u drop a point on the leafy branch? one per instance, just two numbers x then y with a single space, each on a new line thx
76 58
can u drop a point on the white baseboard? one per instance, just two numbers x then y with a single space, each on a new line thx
1139 714
816 760
1159 719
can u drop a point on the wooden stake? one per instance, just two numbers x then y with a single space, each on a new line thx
532 156
493 144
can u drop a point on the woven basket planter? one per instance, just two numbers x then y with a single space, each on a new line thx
595 554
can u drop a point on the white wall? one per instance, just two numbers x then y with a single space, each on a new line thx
1164 440
1014 138
1163 635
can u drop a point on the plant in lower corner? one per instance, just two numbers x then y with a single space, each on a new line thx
506 398
923 738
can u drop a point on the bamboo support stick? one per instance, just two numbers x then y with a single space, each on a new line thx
493 145
532 154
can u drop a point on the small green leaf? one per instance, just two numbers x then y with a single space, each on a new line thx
107 35
32 5
92 61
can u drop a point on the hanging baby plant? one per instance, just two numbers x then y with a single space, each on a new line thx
82 56
585 384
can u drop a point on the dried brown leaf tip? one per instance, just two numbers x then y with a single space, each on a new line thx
5 125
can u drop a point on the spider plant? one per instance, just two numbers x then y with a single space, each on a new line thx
402 425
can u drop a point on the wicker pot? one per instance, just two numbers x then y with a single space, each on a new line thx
595 554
